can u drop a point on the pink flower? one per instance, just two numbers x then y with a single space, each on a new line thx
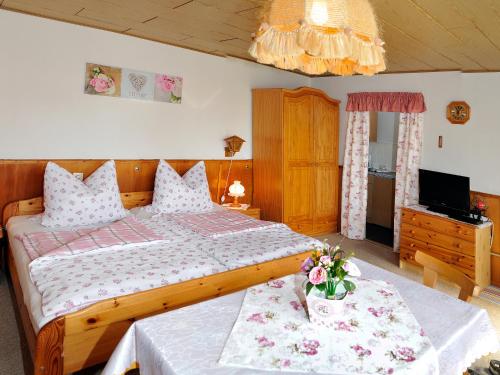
307 265
165 82
276 283
286 363
264 342
360 351
101 83
326 260
257 318
296 305
310 347
317 275
377 312
405 354
343 326
385 293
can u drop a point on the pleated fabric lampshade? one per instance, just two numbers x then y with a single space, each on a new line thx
320 36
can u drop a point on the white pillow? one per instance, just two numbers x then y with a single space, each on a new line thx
189 193
70 202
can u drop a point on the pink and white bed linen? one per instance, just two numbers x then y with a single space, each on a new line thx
70 283
219 223
70 242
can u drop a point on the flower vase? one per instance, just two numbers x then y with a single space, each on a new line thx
324 311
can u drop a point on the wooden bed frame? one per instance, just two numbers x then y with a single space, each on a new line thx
87 337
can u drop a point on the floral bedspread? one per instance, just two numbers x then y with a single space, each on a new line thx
376 334
69 283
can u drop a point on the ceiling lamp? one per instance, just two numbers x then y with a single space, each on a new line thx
320 36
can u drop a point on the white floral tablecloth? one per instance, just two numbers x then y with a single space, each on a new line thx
190 341
376 333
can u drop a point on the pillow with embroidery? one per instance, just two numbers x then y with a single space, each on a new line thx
71 202
189 193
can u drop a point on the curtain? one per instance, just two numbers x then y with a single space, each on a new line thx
411 126
355 176
409 102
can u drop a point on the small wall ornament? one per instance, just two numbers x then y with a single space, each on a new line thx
458 112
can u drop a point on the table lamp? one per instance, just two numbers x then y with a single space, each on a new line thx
236 190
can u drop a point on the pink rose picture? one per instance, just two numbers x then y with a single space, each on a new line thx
103 80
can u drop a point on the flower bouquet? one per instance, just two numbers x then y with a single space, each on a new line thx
478 208
327 286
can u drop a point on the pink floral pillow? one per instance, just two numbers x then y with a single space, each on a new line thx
189 193
71 202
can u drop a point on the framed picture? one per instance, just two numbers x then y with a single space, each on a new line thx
102 80
132 84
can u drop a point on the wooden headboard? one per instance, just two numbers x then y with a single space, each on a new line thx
22 180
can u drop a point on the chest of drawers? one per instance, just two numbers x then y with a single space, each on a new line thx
465 246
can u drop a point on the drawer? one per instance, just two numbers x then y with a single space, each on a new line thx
408 255
442 225
464 262
301 227
442 240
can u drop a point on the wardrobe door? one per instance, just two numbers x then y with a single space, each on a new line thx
326 162
299 163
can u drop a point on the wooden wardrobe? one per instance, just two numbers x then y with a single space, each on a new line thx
295 158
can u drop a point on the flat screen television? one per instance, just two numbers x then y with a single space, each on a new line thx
445 193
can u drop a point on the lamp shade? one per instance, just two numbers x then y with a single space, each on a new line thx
320 36
236 189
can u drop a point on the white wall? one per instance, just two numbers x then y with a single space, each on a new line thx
44 113
472 150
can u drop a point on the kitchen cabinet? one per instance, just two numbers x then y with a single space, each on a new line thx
380 205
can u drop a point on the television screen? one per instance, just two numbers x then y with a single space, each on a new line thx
444 192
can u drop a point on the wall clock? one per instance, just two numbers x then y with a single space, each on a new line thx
458 112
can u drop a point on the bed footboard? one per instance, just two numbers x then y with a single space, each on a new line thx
49 353
88 337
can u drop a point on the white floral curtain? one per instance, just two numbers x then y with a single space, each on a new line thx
355 176
411 126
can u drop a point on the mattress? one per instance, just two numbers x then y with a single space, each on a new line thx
138 268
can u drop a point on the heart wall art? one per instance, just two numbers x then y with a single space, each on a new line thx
133 84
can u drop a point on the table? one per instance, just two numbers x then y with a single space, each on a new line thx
190 340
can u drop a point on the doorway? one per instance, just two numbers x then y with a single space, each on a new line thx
382 176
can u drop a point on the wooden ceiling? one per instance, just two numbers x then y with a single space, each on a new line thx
420 35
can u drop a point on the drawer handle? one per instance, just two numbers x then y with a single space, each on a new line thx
412 245
412 231
414 218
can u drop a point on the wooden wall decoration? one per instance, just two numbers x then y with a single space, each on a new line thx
23 179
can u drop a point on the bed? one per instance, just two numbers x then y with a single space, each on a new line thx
88 336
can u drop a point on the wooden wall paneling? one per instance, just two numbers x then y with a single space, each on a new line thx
23 179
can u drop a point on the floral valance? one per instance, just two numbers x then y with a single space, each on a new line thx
407 102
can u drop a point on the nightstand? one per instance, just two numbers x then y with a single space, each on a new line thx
250 211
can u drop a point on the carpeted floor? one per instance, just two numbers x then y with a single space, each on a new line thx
14 355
